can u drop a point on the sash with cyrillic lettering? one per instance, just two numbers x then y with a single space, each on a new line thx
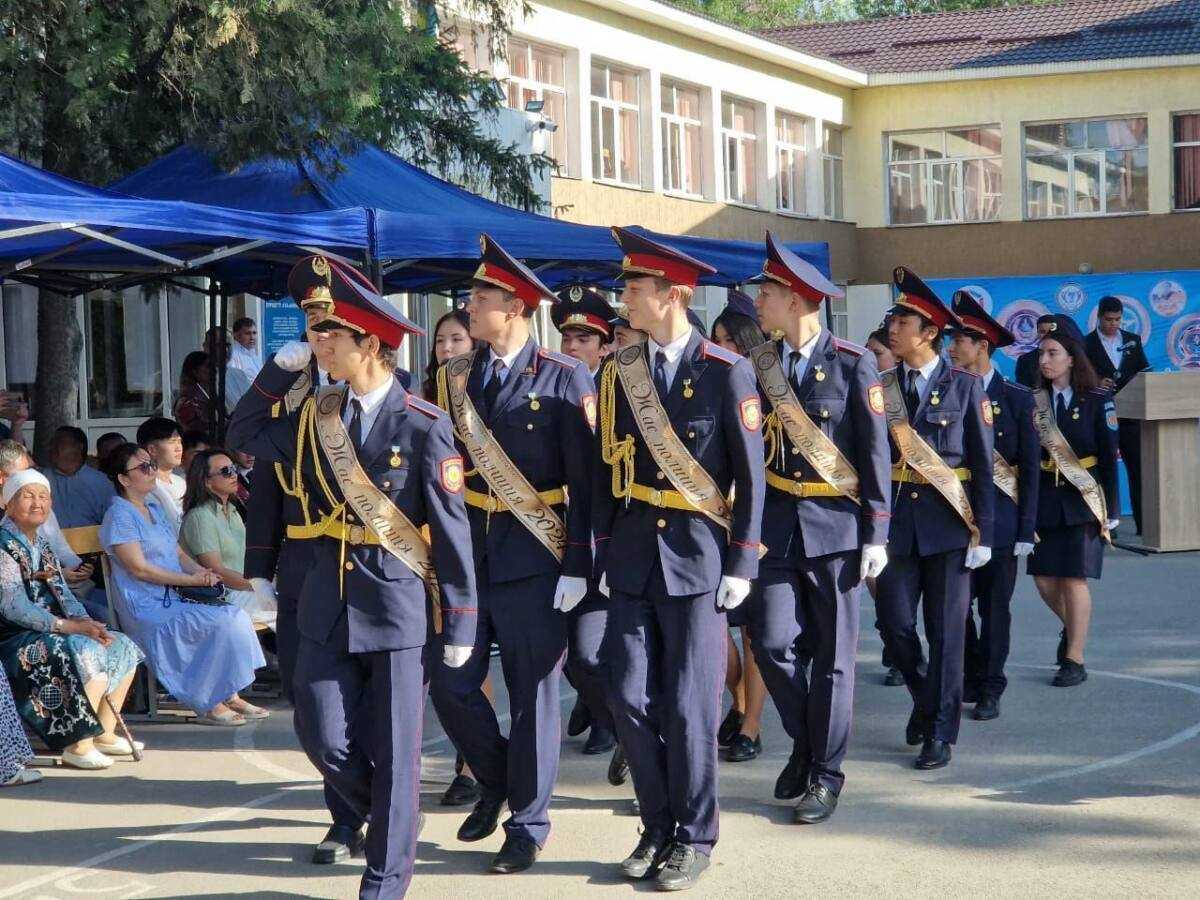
814 444
397 534
298 392
922 458
1004 475
1067 460
670 454
503 478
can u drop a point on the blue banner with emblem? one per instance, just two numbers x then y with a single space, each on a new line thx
283 321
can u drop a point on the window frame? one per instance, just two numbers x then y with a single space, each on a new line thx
674 120
1103 212
956 164
826 159
805 149
741 139
1176 145
539 90
617 107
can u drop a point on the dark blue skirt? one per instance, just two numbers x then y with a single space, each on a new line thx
1073 551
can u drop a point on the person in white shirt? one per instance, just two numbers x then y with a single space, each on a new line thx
162 439
245 355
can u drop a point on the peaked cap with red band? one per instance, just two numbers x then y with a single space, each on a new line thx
586 307
499 270
915 296
798 275
644 257
349 298
976 321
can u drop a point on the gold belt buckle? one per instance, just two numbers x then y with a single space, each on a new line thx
356 534
656 497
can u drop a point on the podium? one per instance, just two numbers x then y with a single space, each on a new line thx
1168 405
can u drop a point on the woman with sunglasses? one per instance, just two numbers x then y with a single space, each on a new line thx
214 534
203 654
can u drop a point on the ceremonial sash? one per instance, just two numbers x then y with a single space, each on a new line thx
503 478
813 443
670 454
1067 461
298 392
397 534
1004 475
922 458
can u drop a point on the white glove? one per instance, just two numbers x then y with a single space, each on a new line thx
455 657
978 557
874 558
1021 548
569 592
602 587
1112 524
264 591
293 356
732 592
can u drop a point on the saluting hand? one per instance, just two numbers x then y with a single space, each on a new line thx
293 356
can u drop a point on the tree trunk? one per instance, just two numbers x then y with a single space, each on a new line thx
56 400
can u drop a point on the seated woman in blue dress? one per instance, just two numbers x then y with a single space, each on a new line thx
203 654
61 663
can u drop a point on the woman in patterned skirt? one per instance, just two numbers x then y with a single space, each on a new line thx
14 748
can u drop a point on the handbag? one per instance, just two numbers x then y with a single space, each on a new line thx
206 596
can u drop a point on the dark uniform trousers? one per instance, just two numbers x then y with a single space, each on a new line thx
987 646
805 604
539 418
927 549
586 625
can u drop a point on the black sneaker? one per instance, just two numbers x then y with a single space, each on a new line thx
683 868
1070 674
648 856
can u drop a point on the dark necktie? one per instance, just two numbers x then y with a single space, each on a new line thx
912 397
491 390
1060 409
660 374
794 372
356 435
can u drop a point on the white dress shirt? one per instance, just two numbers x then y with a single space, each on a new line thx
674 353
924 376
371 402
1066 393
1112 347
987 379
802 362
508 359
249 361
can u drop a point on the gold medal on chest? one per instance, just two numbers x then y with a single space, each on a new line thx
395 460
687 389
934 399
1075 414
819 375
534 403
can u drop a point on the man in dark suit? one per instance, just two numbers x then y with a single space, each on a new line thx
1117 355
1027 372
376 464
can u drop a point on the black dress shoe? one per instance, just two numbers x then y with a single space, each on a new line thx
648 856
742 749
817 805
894 677
916 729
482 821
463 791
1070 674
600 740
730 726
580 719
340 842
517 855
971 693
1060 656
683 867
986 709
618 767
793 779
934 754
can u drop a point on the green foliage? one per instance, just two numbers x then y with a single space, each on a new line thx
96 88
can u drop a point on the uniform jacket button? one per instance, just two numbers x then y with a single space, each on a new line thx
691 434
661 523
386 483
349 567
659 475
914 495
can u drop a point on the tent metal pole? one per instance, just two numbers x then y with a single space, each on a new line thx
223 253
46 257
35 229
127 245
223 313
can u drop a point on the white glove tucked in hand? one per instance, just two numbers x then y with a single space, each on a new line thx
874 558
569 592
455 657
293 356
602 587
1021 548
1112 524
978 557
264 591
732 592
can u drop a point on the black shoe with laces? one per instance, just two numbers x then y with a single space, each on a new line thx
482 821
817 805
463 791
516 855
1070 674
648 856
682 869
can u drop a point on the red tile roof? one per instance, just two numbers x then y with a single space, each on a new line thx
1011 36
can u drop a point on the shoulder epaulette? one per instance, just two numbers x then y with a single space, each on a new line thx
849 347
709 350
424 406
1017 386
1099 394
561 358
963 371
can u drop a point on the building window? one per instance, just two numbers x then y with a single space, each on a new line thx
1187 160
472 43
539 73
1089 167
123 354
616 150
739 132
831 170
791 150
20 339
682 139
944 176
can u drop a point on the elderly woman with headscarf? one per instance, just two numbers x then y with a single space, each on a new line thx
62 665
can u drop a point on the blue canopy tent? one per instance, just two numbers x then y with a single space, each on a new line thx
424 231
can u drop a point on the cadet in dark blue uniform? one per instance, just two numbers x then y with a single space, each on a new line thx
375 464
1072 536
822 539
973 342
672 569
270 556
931 546
582 317
537 407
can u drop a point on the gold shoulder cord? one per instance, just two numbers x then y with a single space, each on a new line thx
618 455
773 438
294 488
